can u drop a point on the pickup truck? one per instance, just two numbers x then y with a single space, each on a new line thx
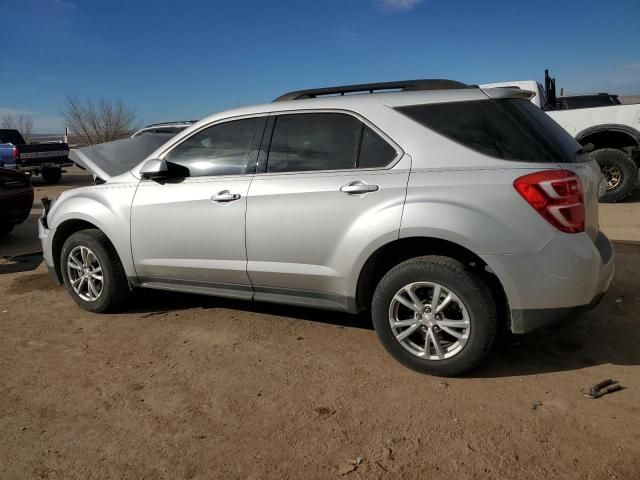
612 131
46 159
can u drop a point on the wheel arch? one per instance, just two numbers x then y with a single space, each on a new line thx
64 231
610 136
399 250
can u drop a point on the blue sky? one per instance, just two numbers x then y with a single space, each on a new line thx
186 59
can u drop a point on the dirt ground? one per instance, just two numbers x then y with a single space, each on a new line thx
184 386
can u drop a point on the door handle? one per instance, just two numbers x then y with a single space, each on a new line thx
225 196
357 187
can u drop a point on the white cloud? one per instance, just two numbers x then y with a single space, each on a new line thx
399 5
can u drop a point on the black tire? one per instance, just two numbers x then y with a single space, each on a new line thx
115 288
619 161
51 175
5 230
456 277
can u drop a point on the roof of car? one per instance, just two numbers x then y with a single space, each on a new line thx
355 100
399 85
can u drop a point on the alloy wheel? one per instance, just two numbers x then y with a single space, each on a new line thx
429 320
85 273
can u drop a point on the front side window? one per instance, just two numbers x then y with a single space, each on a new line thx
325 141
218 150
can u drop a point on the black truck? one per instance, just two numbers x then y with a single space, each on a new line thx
46 159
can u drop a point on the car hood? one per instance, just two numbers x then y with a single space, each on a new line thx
110 159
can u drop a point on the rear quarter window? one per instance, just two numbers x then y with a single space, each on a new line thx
508 129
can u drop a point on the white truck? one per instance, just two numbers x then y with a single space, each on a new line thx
613 131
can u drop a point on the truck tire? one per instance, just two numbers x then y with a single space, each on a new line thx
51 175
435 315
620 172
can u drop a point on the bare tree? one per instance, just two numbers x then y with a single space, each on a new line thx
97 123
18 122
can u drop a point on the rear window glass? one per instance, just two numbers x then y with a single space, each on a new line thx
586 101
509 129
11 136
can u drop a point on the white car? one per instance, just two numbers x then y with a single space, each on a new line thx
614 132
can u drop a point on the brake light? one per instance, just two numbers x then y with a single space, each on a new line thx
557 196
15 153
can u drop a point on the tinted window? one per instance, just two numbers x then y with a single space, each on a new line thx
218 150
11 136
374 152
588 101
314 141
509 129
325 141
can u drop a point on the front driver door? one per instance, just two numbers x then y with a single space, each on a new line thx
188 232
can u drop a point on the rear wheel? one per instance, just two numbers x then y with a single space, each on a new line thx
435 315
51 175
620 173
92 272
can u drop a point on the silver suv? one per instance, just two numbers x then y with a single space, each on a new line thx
448 211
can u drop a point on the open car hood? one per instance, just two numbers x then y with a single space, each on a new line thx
106 160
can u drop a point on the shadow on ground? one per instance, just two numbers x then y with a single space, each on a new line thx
20 263
156 302
606 335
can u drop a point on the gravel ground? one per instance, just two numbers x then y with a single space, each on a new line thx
184 386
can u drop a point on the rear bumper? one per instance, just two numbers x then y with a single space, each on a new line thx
568 276
38 167
525 321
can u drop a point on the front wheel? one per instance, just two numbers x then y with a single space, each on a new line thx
435 315
92 272
620 173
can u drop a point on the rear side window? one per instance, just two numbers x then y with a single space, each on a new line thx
218 150
509 129
325 141
374 152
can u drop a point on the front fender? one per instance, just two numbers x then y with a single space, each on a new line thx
103 207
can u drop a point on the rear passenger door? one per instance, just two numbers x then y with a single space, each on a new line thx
327 183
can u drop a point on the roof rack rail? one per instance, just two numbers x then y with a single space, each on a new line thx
175 122
402 85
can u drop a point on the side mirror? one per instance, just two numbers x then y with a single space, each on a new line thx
154 168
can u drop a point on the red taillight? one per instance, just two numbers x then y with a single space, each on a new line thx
557 196
15 153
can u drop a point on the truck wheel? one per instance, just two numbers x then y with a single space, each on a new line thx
51 175
92 272
435 315
620 172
